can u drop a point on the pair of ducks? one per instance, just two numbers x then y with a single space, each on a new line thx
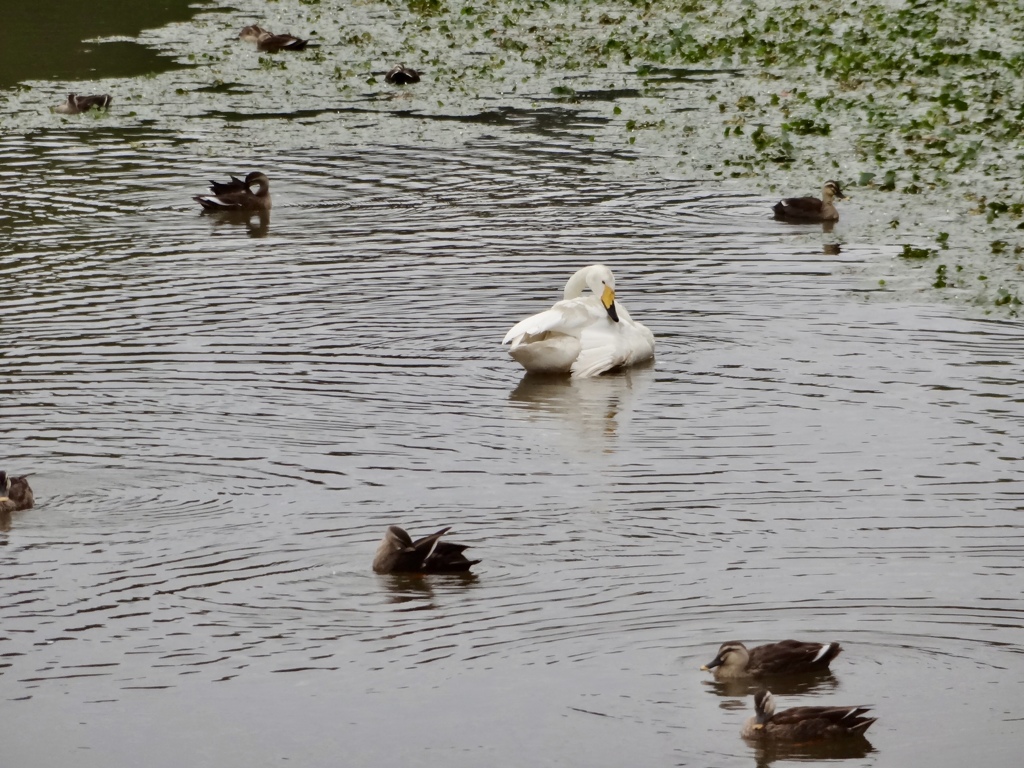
787 658
268 42
15 493
399 553
265 41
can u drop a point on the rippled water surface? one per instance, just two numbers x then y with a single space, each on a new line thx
222 417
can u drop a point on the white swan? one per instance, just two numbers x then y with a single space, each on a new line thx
582 335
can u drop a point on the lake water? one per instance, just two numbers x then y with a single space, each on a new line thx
221 419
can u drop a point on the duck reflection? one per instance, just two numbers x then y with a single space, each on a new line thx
768 752
420 588
594 406
256 222
827 227
789 685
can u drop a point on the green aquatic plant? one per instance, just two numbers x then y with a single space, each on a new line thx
427 7
913 103
910 252
1006 298
271 62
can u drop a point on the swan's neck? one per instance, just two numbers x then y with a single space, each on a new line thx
576 285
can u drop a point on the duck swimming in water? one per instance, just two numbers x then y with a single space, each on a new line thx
15 493
804 724
236 195
268 42
398 553
811 208
77 104
402 75
789 657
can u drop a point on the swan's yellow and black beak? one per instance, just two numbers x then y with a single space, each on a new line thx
608 301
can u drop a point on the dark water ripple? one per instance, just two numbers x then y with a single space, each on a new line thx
220 426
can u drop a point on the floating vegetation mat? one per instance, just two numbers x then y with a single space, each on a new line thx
914 107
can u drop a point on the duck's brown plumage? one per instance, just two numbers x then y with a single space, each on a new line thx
268 42
789 657
237 195
224 187
805 723
402 75
398 553
76 104
15 493
811 208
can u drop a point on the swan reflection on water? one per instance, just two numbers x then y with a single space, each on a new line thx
594 406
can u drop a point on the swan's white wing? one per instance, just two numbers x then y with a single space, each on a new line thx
608 345
637 337
565 317
576 335
600 349
550 353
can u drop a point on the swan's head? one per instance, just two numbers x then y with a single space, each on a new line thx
602 282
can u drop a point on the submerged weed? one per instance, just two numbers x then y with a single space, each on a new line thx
910 252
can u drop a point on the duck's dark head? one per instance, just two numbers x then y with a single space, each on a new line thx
764 708
259 179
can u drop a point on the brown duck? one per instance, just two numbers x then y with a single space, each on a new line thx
224 187
402 75
76 104
268 42
790 657
237 195
398 553
15 493
804 723
811 208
